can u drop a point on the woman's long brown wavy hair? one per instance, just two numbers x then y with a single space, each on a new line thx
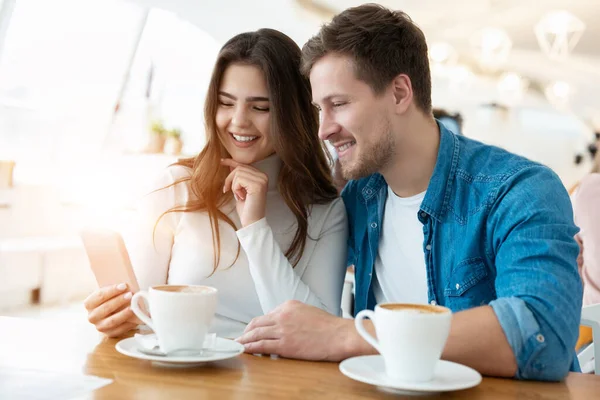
305 176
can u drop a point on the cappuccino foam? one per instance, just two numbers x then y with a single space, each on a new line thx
415 308
184 289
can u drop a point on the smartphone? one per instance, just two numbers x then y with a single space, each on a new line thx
109 259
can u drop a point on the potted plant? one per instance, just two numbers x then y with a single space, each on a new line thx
173 143
157 138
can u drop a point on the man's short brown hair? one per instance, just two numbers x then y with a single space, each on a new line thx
381 43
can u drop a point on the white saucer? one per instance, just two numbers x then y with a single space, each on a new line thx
448 376
224 349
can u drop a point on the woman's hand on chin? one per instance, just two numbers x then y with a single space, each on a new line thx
249 187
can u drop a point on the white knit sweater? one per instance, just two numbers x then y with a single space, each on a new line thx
262 277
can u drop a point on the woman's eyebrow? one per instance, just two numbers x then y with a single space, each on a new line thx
249 99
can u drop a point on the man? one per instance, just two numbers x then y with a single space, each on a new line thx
434 217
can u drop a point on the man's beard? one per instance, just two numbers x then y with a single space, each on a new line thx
372 159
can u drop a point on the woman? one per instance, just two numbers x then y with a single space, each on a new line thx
255 214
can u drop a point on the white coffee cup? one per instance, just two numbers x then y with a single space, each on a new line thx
410 337
181 315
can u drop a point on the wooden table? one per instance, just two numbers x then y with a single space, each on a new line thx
75 348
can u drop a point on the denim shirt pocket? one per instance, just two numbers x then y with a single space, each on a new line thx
469 285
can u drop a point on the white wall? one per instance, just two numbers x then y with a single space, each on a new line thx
223 19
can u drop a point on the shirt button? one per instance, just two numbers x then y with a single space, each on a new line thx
539 366
369 191
428 247
423 214
540 338
457 286
433 303
373 225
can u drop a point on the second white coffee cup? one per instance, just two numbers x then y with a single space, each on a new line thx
410 337
181 315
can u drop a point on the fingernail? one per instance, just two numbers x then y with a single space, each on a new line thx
122 286
128 295
237 339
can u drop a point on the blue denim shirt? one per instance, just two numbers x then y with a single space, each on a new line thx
498 230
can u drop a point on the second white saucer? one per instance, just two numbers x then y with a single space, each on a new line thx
448 376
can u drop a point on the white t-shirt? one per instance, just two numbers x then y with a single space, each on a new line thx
400 271
261 278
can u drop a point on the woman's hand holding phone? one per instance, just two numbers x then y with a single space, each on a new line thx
109 309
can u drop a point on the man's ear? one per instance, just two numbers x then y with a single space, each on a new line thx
403 93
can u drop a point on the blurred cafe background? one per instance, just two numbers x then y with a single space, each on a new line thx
97 96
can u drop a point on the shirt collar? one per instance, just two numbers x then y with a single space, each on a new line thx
439 189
